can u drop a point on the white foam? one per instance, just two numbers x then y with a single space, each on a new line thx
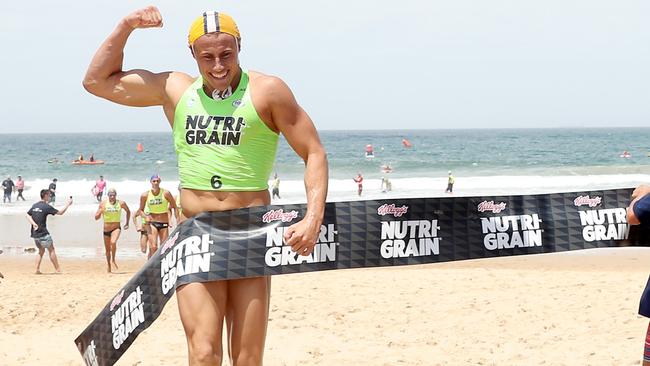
293 191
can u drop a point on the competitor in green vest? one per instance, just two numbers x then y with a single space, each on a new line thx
111 210
225 126
158 202
141 222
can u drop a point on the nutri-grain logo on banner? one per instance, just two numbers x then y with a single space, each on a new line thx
515 231
127 316
604 224
278 253
409 238
190 256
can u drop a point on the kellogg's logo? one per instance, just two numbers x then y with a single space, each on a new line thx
391 209
116 300
491 206
587 201
168 243
279 215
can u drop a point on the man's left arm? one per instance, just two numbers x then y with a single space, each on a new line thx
172 206
299 130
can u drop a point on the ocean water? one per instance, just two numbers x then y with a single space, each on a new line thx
484 162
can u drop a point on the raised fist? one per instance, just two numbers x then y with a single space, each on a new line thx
148 17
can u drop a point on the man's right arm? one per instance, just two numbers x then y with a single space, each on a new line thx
105 77
68 203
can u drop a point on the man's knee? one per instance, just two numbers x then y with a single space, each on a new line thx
202 352
248 358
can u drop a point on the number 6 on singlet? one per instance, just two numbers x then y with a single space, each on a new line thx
215 181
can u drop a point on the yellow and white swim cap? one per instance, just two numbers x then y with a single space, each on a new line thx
213 22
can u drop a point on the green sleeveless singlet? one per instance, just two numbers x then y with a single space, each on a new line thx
222 144
157 204
112 212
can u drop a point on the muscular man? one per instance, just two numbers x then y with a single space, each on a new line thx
639 213
225 125
158 202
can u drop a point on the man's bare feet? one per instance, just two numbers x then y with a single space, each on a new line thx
115 265
38 272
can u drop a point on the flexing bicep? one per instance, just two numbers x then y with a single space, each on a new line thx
138 88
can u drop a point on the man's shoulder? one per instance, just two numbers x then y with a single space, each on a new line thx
265 82
179 81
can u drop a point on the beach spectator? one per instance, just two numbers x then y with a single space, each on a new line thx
276 186
37 216
638 213
450 182
52 189
20 186
359 181
386 185
111 210
98 189
8 186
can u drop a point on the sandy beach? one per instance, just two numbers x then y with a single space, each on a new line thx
558 309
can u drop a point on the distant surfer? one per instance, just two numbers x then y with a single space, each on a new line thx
370 152
359 181
111 210
158 201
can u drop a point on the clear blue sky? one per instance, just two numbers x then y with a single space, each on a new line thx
361 64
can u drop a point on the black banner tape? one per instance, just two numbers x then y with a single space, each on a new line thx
358 234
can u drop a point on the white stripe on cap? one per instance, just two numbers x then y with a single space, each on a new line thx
211 22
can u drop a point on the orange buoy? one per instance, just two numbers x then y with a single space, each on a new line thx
406 143
139 148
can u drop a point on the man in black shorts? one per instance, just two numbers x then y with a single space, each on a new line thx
638 213
37 216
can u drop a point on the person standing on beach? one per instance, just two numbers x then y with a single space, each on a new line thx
275 188
20 186
98 190
158 201
8 186
222 166
359 181
638 213
111 210
52 189
37 217
450 183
